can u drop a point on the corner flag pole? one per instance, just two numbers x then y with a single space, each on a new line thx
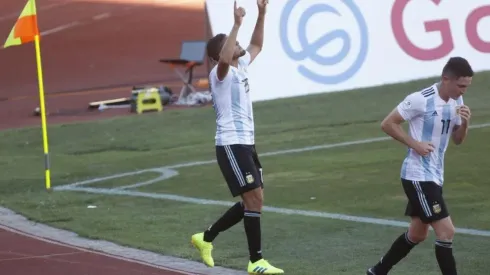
24 31
43 112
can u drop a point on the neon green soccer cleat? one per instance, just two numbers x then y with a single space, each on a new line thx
204 248
263 267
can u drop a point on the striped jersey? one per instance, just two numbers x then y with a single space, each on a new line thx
232 105
430 119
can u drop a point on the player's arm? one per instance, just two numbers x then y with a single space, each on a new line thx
460 131
226 54
391 125
409 109
257 40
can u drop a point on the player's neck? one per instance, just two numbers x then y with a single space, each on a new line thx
442 92
234 63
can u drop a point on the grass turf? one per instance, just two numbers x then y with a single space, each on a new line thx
356 180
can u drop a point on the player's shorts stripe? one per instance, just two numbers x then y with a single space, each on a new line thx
261 171
422 199
234 165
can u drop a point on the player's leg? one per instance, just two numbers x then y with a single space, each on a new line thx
228 166
203 241
231 217
253 198
401 247
416 233
444 229
253 201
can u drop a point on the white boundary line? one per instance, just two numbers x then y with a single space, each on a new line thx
168 172
278 210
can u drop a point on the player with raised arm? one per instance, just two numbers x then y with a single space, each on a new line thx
435 115
234 140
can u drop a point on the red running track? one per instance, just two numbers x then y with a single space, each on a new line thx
22 254
86 44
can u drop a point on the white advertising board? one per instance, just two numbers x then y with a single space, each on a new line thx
314 46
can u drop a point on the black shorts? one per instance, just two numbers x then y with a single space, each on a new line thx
240 167
425 200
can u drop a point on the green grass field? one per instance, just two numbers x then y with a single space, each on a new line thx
361 180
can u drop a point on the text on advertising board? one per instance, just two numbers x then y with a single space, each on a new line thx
441 26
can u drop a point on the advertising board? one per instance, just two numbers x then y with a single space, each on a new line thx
316 46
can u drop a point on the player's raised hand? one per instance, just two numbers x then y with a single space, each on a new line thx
262 4
239 14
465 113
424 148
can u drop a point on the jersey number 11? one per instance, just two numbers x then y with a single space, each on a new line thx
445 126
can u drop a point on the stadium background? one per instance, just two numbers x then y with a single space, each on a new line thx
98 49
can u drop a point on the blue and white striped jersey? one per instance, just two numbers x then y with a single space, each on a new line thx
232 105
430 119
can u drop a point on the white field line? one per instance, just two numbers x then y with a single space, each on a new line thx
278 210
168 172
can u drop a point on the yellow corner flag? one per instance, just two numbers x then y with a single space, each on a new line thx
24 31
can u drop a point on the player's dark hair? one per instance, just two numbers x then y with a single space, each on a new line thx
457 67
214 46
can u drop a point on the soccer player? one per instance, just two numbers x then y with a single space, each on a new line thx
434 114
234 140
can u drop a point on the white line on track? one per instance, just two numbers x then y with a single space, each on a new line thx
73 24
39 256
60 28
101 16
41 8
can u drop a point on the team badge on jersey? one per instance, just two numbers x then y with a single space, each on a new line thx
408 104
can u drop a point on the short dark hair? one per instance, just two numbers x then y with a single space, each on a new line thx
457 67
214 46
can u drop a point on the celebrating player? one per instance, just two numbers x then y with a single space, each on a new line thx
234 140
